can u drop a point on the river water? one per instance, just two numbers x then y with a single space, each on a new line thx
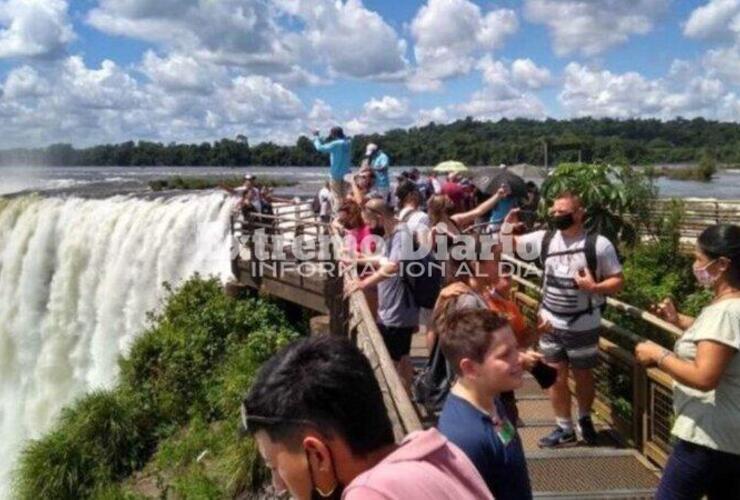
107 181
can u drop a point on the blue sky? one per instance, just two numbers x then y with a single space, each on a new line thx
92 71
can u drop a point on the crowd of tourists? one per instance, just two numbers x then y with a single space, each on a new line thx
316 409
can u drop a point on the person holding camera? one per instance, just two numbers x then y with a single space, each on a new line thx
339 148
580 269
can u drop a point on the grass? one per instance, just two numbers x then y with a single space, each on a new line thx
211 182
178 396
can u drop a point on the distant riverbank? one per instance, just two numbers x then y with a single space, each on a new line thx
101 182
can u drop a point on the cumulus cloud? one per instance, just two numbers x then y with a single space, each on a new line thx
24 82
353 40
178 72
593 26
504 94
601 93
71 102
724 62
228 32
436 115
448 34
526 73
34 28
381 114
716 19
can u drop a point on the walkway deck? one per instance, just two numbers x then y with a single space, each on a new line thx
609 470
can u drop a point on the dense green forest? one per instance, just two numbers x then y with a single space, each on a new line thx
474 142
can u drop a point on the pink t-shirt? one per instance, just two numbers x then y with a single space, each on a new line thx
358 235
425 466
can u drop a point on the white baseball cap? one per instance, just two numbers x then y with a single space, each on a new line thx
370 149
249 177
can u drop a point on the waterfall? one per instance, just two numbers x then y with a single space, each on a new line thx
77 277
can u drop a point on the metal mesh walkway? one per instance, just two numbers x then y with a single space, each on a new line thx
604 471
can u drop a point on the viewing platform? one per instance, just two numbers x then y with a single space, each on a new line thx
633 409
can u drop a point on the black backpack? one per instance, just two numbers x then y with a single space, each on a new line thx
432 385
424 278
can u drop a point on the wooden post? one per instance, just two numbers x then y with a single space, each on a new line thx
547 161
639 405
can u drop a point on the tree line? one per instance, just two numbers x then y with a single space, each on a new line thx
635 141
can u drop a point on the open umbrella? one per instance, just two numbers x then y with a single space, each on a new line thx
488 180
451 166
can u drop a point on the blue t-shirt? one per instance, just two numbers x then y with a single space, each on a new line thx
340 156
502 208
503 467
380 167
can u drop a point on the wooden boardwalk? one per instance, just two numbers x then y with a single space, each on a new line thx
609 470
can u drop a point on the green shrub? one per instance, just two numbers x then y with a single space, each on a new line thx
703 171
656 269
95 441
200 183
615 199
187 372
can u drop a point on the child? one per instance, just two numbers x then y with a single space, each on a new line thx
480 346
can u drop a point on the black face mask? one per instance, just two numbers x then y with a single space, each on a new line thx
562 222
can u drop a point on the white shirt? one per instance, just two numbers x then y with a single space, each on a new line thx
324 202
418 220
565 268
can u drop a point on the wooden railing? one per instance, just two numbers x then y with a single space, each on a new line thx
322 292
698 214
634 401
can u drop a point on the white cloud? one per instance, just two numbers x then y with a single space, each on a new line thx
227 32
503 94
178 72
716 19
34 28
436 115
526 73
600 93
350 39
592 26
71 102
381 114
724 62
353 40
448 34
24 82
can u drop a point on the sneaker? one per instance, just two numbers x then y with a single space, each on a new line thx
558 437
588 431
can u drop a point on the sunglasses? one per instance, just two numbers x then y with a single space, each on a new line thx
246 418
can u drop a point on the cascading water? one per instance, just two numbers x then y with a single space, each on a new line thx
77 277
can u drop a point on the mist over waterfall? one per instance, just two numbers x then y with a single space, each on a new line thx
77 277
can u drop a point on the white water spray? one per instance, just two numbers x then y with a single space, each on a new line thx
77 277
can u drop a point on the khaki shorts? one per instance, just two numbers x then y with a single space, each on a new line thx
337 194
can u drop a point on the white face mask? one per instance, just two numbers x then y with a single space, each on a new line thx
704 277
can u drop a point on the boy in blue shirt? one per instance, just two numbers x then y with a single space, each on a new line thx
482 350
